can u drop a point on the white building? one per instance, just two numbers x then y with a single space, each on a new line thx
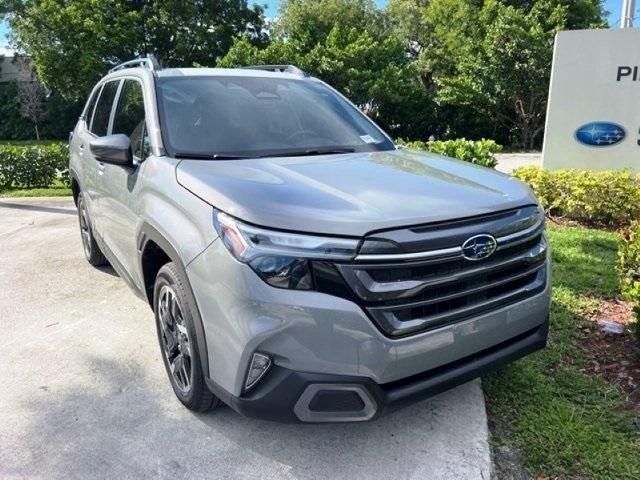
14 66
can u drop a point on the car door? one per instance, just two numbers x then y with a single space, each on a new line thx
119 185
98 127
86 165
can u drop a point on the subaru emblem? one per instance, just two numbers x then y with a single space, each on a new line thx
600 134
479 247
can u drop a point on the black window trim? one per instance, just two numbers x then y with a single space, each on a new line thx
87 122
93 114
116 100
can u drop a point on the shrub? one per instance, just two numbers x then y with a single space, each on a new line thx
480 152
30 166
608 198
629 269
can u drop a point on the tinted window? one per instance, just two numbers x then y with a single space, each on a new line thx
259 116
103 109
129 117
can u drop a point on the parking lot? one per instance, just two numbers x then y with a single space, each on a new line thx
86 396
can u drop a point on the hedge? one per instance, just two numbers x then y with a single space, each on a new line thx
629 268
480 152
608 199
33 166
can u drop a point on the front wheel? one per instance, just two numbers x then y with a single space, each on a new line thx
178 342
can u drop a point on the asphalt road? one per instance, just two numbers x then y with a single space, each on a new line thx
85 393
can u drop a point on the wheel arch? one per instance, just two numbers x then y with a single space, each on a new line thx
75 185
154 251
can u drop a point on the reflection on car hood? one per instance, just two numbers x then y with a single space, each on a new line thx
351 194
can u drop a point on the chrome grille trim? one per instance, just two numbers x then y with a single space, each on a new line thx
521 236
445 252
365 285
454 252
397 327
433 284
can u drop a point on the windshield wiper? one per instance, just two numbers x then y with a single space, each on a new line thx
313 151
206 156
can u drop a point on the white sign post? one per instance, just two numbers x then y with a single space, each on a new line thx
593 116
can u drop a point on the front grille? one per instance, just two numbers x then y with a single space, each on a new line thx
422 280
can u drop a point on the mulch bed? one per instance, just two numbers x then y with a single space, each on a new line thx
616 356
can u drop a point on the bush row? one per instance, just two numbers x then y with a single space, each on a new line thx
629 268
481 152
608 199
31 166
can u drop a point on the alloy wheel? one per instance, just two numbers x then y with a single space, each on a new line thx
85 229
176 344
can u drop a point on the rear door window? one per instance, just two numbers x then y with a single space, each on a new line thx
100 122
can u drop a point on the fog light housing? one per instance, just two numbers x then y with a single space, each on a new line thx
259 365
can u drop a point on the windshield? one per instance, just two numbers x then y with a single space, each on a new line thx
237 117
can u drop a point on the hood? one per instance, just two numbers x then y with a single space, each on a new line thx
351 194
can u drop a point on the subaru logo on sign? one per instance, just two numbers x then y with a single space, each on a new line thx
600 134
479 247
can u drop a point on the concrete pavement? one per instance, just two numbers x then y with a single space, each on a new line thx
86 395
507 162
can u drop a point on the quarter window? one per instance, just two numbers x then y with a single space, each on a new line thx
103 109
129 117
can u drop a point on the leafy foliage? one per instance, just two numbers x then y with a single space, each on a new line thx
479 152
372 70
448 68
74 42
58 115
488 63
29 166
608 198
629 268
13 125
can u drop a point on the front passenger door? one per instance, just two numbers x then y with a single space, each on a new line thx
120 184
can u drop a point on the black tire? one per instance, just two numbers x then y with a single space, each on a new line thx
92 252
178 340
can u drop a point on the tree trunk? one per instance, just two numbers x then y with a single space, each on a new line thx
37 132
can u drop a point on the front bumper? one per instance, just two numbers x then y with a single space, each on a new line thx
292 396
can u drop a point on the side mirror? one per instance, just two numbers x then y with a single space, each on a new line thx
113 149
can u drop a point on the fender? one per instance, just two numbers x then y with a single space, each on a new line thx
147 233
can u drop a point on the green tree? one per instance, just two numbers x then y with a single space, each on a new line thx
13 126
488 62
73 42
373 73
505 76
309 22
579 13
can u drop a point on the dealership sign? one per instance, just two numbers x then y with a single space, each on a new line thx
593 117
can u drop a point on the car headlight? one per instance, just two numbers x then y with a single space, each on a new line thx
280 258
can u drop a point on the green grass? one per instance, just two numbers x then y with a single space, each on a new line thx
568 424
58 189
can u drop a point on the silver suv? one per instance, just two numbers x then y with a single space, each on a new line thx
300 266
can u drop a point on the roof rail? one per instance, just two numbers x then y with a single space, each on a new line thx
149 61
278 68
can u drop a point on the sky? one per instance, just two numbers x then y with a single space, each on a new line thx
613 6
